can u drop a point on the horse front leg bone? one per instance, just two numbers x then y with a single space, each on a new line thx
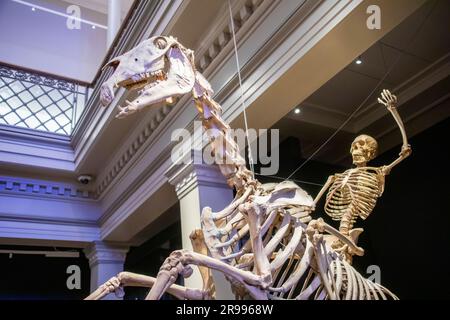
320 256
178 264
198 244
129 279
254 215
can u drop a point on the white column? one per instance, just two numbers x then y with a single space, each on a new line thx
199 185
105 261
114 20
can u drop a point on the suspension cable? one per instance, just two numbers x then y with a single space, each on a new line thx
399 56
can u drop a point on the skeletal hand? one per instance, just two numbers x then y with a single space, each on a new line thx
387 99
127 110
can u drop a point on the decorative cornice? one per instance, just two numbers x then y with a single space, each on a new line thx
127 155
42 188
221 35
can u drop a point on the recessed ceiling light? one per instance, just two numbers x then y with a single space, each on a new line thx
93 27
358 61
33 9
297 110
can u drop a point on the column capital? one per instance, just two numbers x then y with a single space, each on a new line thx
190 172
99 252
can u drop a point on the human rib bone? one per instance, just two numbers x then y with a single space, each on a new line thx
265 241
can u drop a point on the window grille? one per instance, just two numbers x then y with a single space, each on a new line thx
39 102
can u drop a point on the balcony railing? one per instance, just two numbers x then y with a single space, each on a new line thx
39 102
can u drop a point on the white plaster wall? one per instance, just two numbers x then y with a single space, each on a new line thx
41 41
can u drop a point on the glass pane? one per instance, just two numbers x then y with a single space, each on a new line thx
36 91
62 120
4 109
52 126
34 106
32 122
14 102
17 86
44 101
23 112
53 110
21 124
55 95
43 116
64 105
12 118
6 92
25 96
68 128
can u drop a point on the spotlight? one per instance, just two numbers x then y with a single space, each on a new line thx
93 27
297 110
358 61
33 9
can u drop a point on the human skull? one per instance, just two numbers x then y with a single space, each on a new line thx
363 149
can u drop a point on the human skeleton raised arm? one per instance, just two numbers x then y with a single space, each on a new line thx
354 193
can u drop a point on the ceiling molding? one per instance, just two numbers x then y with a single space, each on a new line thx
407 90
329 118
417 121
219 38
319 115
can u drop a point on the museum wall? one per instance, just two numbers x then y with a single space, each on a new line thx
45 43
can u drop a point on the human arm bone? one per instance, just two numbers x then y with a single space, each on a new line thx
390 101
325 187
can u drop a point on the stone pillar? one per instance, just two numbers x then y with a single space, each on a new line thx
114 20
105 261
199 185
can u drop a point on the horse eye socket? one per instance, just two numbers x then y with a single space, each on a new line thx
160 43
